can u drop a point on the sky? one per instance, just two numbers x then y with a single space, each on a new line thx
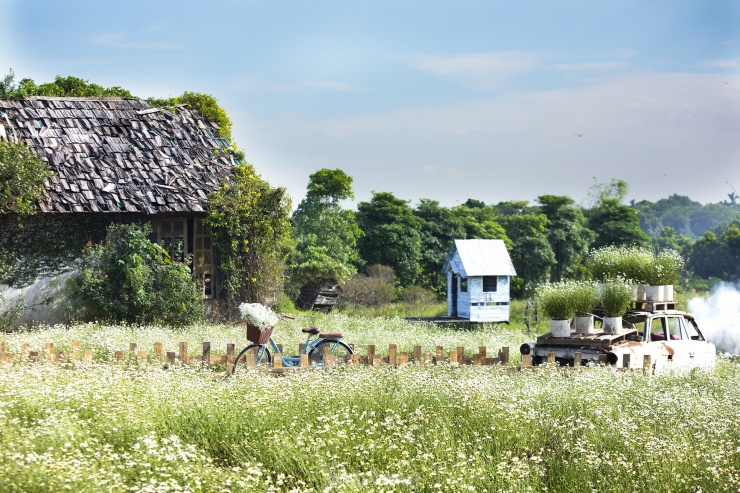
446 100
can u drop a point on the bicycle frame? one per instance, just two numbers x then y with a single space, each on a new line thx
310 344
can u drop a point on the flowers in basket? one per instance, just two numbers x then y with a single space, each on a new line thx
258 315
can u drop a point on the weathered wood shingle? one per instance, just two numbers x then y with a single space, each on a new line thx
119 155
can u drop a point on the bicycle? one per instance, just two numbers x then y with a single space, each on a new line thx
317 345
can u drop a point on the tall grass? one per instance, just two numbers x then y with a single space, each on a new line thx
417 428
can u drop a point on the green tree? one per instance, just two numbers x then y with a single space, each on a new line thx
324 233
668 239
717 253
391 236
531 253
22 176
440 227
250 224
61 87
615 224
480 221
567 233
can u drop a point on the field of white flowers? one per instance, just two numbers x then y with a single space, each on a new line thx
106 428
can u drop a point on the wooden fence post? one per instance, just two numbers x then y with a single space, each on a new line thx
503 356
417 354
371 354
526 360
230 357
392 356
49 352
132 349
119 357
171 357
577 360
550 359
206 359
76 345
87 356
453 357
158 350
142 359
304 360
183 353
440 356
461 354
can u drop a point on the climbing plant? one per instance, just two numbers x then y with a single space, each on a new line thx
22 176
250 224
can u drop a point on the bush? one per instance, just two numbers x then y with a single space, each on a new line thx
128 278
555 301
373 290
417 296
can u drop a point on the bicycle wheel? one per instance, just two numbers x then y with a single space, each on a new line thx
339 350
261 354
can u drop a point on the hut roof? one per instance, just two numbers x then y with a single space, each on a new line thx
479 258
119 155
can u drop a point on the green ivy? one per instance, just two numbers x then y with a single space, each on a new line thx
250 224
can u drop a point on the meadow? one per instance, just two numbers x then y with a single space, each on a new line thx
108 428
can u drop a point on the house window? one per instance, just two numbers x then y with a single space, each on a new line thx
171 235
203 258
463 284
490 284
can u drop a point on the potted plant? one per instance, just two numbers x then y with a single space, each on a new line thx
668 266
638 264
604 263
615 298
584 297
555 302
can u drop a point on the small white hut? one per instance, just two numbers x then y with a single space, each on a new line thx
478 275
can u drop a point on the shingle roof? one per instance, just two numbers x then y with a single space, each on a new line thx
480 258
119 155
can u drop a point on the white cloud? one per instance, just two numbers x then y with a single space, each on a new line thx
334 86
490 69
730 63
591 67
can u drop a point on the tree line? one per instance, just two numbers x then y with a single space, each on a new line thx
548 240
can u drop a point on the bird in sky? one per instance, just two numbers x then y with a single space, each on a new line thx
579 135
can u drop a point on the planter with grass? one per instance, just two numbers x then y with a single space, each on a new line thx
666 272
634 263
555 302
615 299
584 297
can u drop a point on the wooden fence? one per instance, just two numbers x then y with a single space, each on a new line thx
142 358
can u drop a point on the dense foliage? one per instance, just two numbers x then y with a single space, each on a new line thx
250 224
61 87
127 278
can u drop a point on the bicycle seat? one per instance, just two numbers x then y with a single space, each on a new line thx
311 330
331 335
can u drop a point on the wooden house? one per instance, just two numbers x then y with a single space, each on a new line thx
478 280
122 160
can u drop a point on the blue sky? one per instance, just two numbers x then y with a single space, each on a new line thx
434 99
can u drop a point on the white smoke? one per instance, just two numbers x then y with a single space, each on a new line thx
718 317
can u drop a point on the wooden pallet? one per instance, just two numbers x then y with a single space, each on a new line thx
598 339
654 306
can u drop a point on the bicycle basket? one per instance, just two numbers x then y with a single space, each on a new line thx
258 336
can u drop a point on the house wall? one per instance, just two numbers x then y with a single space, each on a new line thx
489 306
